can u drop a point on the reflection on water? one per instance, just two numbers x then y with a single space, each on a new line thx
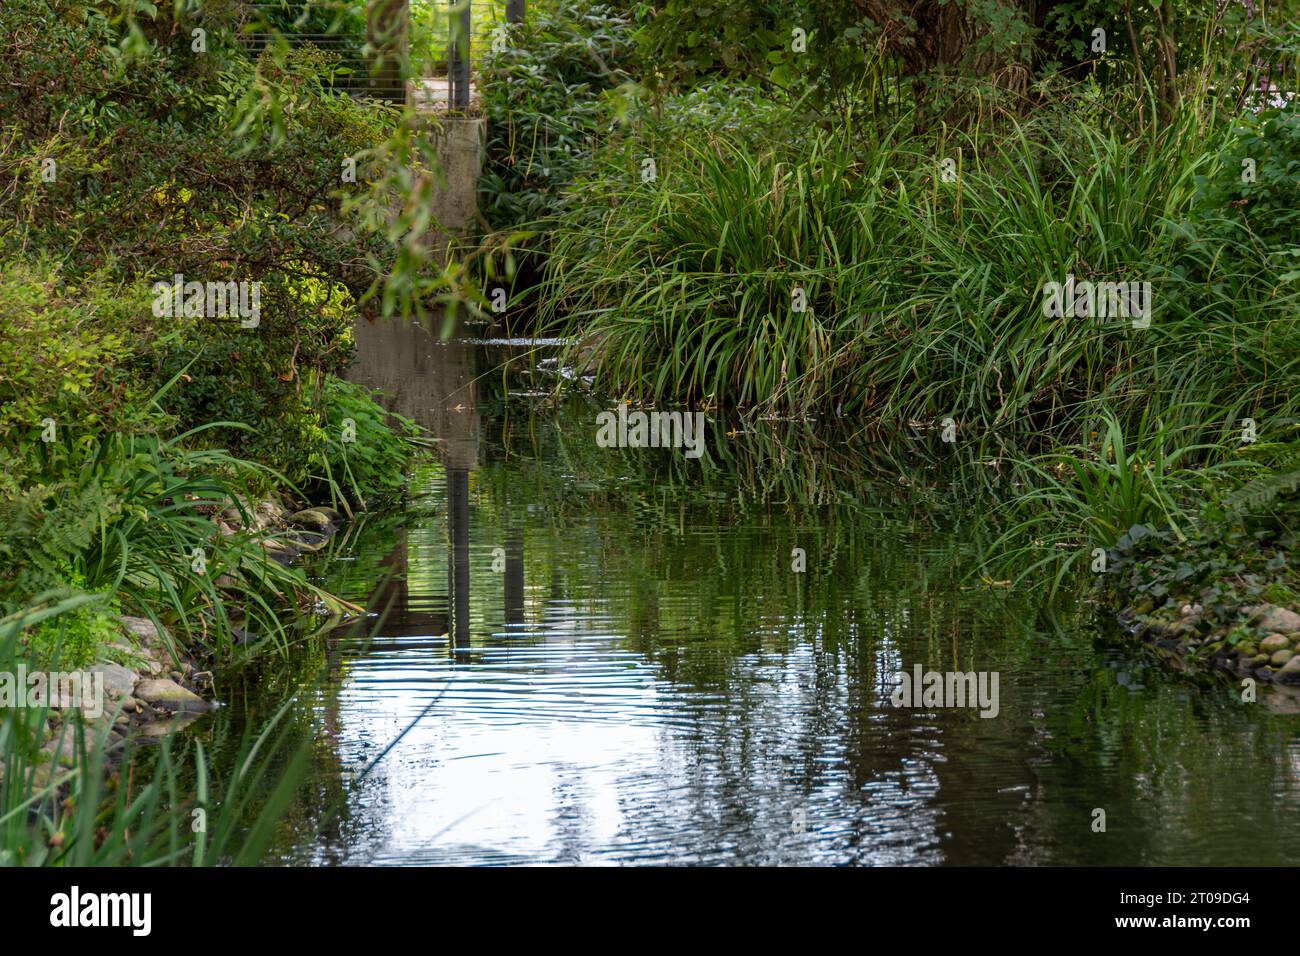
596 660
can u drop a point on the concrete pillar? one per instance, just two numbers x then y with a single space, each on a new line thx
461 144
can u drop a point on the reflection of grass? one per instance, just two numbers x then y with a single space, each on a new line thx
692 559
1085 497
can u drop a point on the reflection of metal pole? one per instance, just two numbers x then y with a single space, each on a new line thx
514 11
458 56
514 589
458 570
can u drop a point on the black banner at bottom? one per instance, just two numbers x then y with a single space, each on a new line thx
339 905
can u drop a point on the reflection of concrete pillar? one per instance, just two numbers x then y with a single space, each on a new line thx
392 599
423 378
514 589
386 35
458 568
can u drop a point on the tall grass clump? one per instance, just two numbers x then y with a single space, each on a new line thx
730 277
922 292
1083 498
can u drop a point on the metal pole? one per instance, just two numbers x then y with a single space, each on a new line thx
458 56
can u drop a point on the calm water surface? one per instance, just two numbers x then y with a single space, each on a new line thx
600 656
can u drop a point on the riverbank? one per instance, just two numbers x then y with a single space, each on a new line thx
1088 298
145 683
1224 597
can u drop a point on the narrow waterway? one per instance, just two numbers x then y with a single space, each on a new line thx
579 654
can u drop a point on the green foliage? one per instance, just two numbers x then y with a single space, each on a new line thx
374 457
1261 212
208 166
924 298
548 100
1084 497
686 41
74 639
1278 483
77 807
71 352
1223 565
336 26
44 529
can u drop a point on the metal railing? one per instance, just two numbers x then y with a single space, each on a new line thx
368 50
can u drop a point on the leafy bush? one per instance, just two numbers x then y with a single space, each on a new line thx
547 99
72 640
1251 201
70 352
372 460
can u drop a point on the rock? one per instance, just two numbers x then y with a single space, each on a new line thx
1290 672
143 628
1247 650
169 695
1274 643
150 666
1144 605
1281 657
279 552
313 519
1258 659
67 744
119 681
270 512
1270 617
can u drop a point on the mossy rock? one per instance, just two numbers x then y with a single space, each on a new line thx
313 519
1274 643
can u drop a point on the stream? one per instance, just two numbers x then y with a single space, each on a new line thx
587 655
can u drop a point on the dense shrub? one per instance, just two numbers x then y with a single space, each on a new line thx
1255 193
548 100
71 352
820 276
